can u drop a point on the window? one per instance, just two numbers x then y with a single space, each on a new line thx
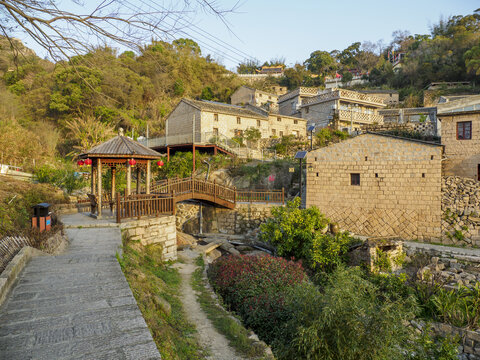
269 98
464 130
279 119
423 175
281 133
239 120
274 131
258 123
295 133
355 179
238 132
215 131
215 117
307 109
295 122
376 175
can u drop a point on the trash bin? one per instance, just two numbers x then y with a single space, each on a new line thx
42 217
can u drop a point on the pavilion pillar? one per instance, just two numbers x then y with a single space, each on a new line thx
129 179
92 179
99 184
114 174
147 180
138 179
168 153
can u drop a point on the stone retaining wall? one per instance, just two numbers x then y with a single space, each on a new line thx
469 340
159 230
461 211
244 219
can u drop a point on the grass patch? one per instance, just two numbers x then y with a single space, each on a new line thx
236 334
154 283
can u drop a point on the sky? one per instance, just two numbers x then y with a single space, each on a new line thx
267 29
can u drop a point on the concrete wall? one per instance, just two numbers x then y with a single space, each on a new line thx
160 230
399 192
227 124
285 125
462 156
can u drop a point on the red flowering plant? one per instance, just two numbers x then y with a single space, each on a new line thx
255 287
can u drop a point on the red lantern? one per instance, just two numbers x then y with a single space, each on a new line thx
132 162
80 162
160 163
88 161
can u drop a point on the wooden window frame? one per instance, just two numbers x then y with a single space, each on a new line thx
239 120
355 179
463 130
259 123
215 117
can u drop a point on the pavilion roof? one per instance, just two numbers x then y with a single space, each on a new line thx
121 147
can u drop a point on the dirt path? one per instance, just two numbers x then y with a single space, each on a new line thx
208 336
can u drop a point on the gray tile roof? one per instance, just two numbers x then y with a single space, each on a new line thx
122 146
223 108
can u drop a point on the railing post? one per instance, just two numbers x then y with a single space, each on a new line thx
118 208
283 195
235 195
173 203
251 195
215 190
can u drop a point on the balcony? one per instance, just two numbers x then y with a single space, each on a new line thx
346 95
359 118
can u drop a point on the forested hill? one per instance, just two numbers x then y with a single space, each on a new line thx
68 105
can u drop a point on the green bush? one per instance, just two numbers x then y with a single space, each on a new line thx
64 177
301 233
255 287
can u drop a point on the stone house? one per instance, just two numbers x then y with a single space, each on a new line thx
290 103
390 97
247 95
342 109
423 119
461 138
199 122
379 185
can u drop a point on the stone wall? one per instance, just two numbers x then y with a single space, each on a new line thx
244 219
461 211
399 193
462 156
160 230
469 340
426 128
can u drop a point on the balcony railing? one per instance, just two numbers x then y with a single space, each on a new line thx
358 117
340 94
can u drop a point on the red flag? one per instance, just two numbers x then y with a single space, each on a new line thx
337 75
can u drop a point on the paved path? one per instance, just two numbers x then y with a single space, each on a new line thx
77 305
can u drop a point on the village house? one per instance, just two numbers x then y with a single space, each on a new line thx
390 97
379 185
422 120
247 95
461 138
342 109
290 103
208 125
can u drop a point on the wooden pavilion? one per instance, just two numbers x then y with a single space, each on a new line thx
112 154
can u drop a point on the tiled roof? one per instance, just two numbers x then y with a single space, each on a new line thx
122 146
223 108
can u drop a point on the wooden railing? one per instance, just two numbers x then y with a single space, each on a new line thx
271 196
166 193
144 205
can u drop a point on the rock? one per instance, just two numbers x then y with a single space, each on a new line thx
214 254
435 260
163 305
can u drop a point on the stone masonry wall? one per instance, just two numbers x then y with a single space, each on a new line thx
160 230
244 219
462 156
461 211
399 192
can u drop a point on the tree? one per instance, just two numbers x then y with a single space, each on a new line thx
248 67
320 63
348 56
252 134
62 32
187 45
472 60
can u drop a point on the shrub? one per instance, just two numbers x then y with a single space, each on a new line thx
301 233
348 321
64 177
255 287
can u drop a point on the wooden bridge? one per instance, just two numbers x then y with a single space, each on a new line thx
166 193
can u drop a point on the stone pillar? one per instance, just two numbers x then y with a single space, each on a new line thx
147 180
99 184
